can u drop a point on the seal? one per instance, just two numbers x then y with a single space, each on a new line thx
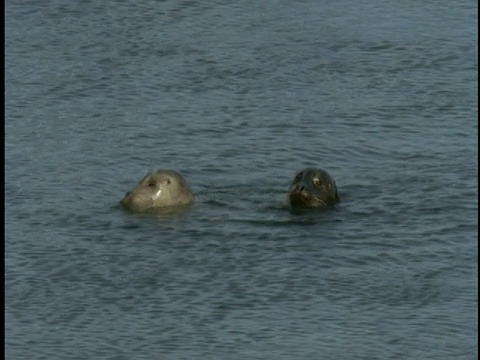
161 189
312 189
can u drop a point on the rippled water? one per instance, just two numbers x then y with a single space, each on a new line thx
238 97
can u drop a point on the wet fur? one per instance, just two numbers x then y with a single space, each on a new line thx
313 189
158 190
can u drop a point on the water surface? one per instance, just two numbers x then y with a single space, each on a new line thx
238 97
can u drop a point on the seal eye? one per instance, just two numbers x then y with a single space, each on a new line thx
151 184
317 182
168 181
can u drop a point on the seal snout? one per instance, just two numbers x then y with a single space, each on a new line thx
299 188
297 193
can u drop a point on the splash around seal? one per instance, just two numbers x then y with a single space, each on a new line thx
313 189
158 190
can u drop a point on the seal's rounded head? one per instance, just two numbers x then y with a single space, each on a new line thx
314 189
158 190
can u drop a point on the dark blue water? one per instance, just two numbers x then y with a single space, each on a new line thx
238 96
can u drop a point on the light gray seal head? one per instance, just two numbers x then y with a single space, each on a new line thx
312 189
158 190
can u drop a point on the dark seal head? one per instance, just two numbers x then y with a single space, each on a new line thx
313 189
158 190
